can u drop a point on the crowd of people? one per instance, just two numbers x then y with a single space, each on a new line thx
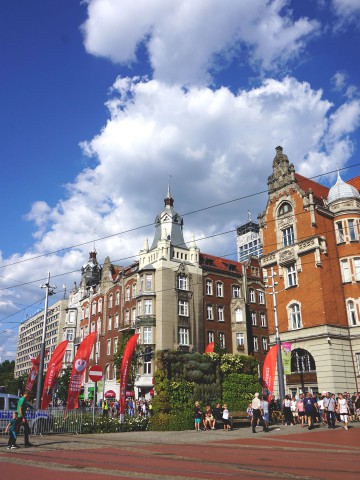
111 407
210 418
309 409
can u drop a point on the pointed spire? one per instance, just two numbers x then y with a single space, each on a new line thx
169 201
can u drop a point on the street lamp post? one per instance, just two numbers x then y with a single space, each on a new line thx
49 291
278 341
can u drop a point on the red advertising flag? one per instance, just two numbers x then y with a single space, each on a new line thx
209 348
78 370
125 367
53 373
269 370
35 362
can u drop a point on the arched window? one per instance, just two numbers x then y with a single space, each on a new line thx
302 361
284 208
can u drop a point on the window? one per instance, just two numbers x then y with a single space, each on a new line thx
87 311
352 231
134 290
291 275
219 289
116 340
263 319
261 297
116 321
253 319
147 335
302 361
209 287
285 208
358 361
240 340
209 312
221 314
288 236
148 307
72 317
148 282
351 313
236 291
182 282
222 339
295 317
357 269
117 298
68 356
238 315
345 270
127 294
183 336
340 237
252 295
70 335
133 315
109 323
256 344
211 337
264 342
92 329
93 308
100 305
183 308
139 309
108 350
147 361
127 317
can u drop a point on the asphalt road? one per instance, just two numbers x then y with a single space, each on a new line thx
287 453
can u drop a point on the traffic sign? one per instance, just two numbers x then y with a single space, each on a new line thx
95 373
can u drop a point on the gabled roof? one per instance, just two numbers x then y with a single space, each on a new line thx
220 264
355 182
319 191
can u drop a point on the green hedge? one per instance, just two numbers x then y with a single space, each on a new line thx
239 389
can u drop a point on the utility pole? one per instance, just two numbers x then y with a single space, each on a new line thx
49 291
280 366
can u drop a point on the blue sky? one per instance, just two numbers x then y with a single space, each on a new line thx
100 100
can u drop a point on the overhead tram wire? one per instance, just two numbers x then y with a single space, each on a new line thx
151 224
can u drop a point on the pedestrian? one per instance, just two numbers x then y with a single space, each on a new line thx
257 413
288 418
249 412
105 408
294 411
217 414
22 407
301 409
11 430
329 409
310 405
197 416
320 406
265 410
343 410
225 418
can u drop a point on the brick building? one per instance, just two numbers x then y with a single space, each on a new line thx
310 236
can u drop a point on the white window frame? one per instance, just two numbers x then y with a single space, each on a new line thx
265 344
93 308
252 295
288 236
240 339
351 225
182 282
220 312
291 275
222 339
139 308
147 335
109 322
356 264
256 344
263 322
127 294
352 314
148 281
134 290
100 305
211 336
183 306
111 300
116 324
148 307
236 291
108 347
219 289
183 336
209 312
261 296
253 319
209 287
117 298
340 234
345 270
239 317
295 319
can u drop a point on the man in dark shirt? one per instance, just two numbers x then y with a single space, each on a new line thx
310 405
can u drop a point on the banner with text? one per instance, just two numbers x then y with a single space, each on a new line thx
53 373
35 362
125 367
269 371
78 370
286 356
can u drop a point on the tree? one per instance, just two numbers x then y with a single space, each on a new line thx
8 382
63 383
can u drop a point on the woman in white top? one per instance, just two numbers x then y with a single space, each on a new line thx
343 410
